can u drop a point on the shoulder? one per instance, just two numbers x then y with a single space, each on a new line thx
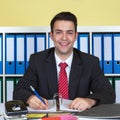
85 57
43 54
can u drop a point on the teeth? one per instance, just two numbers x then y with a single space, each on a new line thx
64 44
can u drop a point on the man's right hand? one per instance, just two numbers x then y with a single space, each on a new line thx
35 103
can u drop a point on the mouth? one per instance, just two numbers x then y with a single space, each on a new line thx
64 44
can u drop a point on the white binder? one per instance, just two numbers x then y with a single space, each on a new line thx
20 54
107 47
50 42
97 47
10 54
116 51
40 42
83 42
30 47
1 62
9 88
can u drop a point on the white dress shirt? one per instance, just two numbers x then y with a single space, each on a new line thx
68 61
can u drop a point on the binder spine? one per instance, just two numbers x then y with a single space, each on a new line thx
116 52
9 87
1 54
107 47
30 47
10 54
83 42
1 90
20 54
40 42
97 46
50 41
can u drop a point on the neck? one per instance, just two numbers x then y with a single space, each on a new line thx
65 56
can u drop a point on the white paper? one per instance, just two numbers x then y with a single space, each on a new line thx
52 107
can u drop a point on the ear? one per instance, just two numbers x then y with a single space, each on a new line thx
51 36
76 35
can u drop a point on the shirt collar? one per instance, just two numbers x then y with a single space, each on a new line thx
68 60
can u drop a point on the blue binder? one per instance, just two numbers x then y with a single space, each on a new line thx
50 41
97 47
10 54
20 54
30 47
83 42
1 90
1 53
107 47
116 51
40 42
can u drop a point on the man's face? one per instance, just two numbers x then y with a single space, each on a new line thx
63 36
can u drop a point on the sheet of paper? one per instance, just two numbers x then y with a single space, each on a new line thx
52 107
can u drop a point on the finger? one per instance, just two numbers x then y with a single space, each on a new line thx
73 104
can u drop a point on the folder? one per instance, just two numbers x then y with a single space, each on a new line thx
83 42
107 53
117 89
1 48
116 51
10 54
101 112
30 47
50 41
97 47
1 90
9 87
20 54
40 42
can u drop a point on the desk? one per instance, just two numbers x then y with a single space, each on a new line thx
81 115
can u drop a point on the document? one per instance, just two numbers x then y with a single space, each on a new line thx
52 107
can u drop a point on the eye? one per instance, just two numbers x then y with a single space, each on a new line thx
58 32
70 32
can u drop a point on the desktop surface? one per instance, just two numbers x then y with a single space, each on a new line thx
95 113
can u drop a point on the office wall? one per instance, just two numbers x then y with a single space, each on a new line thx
40 12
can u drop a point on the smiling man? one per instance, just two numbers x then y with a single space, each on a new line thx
80 79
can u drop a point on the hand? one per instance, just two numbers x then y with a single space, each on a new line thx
82 103
36 103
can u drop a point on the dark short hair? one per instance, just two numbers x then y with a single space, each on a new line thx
68 16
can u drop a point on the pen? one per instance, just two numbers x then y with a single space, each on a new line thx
36 93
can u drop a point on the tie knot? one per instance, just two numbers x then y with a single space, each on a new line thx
63 65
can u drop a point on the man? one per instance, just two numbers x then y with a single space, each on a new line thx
87 84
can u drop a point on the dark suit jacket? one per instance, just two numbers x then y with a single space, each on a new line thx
86 78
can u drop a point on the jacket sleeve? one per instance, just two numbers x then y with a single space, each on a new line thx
22 90
100 87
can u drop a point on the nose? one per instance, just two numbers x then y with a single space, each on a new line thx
64 36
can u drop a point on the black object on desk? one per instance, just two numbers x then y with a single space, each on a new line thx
15 107
103 111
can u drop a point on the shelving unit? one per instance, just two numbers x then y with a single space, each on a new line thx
45 30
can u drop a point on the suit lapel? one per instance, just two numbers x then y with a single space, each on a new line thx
52 73
75 74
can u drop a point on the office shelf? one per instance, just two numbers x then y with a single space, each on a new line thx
85 32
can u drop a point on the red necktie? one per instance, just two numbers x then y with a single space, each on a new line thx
62 81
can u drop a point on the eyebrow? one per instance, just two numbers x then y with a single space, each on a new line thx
62 30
